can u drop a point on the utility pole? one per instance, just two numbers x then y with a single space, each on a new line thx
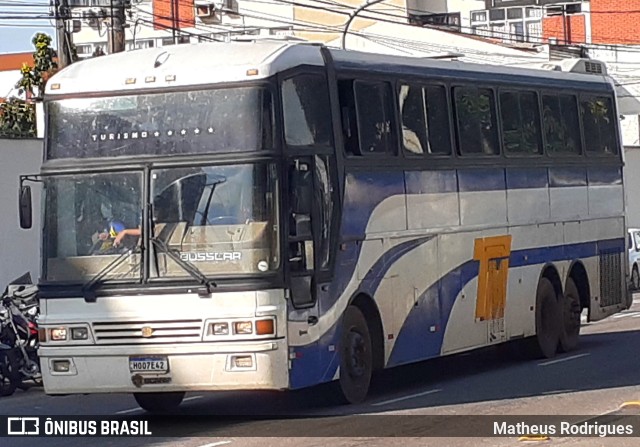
117 38
61 15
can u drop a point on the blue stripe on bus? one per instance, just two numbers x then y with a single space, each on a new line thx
416 342
561 177
364 191
491 179
608 175
431 182
520 178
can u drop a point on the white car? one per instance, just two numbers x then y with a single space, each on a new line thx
634 257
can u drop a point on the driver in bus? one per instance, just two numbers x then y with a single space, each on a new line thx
114 230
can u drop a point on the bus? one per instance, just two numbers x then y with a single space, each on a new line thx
277 215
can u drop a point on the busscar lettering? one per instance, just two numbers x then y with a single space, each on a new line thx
211 256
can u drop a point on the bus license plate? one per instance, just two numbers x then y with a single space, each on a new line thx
149 364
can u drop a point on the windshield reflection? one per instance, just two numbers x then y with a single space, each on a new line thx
84 215
222 219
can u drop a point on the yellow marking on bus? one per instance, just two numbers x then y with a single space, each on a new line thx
633 403
493 255
534 438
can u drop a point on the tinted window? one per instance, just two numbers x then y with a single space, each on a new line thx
600 134
561 126
425 120
520 123
476 121
306 110
375 124
171 123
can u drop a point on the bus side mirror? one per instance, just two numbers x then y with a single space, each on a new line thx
25 207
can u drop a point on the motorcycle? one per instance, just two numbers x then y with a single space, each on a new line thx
19 363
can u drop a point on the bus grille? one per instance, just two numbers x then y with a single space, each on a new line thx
142 332
610 279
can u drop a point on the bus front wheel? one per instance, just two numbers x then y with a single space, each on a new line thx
548 319
159 402
356 357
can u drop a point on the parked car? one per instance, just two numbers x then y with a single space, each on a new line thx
634 257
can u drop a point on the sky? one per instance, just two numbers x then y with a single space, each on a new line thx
19 21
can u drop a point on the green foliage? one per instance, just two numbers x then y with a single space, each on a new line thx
18 116
17 119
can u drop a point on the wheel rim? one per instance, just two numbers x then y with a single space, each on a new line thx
357 354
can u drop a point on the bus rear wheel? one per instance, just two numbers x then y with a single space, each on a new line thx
571 310
159 402
548 322
356 357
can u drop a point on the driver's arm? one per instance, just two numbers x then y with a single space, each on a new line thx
128 232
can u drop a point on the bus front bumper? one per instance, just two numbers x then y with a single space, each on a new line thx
184 367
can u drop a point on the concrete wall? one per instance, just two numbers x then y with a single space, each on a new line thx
632 185
19 249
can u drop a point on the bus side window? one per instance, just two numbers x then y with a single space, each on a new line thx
476 121
367 117
375 120
425 119
348 116
561 125
306 110
521 132
600 133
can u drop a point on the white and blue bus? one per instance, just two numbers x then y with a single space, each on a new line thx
269 215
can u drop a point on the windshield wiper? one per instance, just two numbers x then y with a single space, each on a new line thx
88 288
208 284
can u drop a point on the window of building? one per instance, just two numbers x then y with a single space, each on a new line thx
496 14
520 118
514 13
476 121
306 110
84 50
479 16
561 125
425 119
600 134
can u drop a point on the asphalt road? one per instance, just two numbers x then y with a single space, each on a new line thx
497 383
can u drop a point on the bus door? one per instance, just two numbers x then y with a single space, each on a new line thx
311 219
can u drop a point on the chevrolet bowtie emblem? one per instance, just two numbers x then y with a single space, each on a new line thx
147 332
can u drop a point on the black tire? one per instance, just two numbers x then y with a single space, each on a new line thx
159 402
571 310
635 278
7 380
356 357
548 319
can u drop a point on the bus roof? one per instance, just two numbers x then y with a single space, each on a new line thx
211 63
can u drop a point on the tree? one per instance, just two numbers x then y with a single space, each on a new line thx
17 116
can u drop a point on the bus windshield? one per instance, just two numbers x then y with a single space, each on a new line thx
168 123
220 219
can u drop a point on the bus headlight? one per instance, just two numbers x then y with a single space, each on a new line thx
243 327
79 333
219 329
58 334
